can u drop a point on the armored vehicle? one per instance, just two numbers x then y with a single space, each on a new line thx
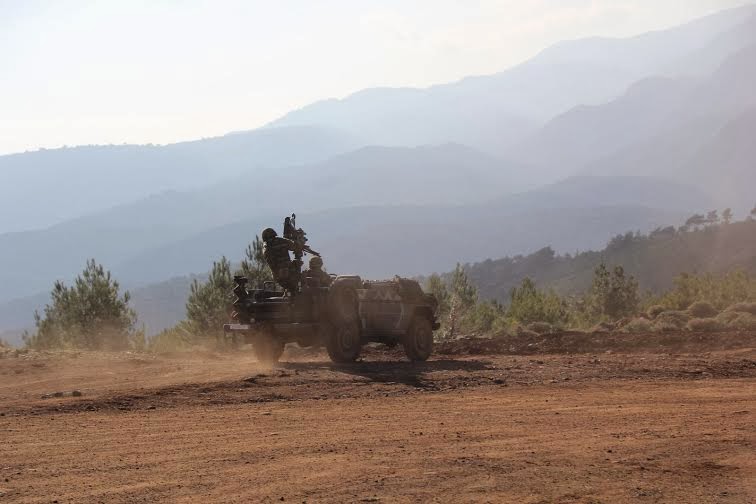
343 316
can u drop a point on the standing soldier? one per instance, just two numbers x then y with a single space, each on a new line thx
276 253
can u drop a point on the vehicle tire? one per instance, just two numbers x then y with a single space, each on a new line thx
344 343
268 349
342 304
418 340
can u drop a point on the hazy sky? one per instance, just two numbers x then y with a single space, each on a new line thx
139 71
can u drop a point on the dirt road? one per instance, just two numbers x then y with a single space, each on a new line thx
588 427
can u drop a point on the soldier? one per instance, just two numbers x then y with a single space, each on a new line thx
316 272
276 253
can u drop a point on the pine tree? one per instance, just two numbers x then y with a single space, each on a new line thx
436 286
90 314
254 266
463 296
613 294
209 303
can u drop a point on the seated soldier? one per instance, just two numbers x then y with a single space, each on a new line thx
276 253
315 275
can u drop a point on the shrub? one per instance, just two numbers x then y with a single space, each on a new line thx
742 308
638 325
665 326
704 325
743 322
540 327
529 304
524 332
720 291
655 310
702 309
676 318
484 317
726 317
174 339
602 327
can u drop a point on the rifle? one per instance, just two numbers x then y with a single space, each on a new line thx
298 237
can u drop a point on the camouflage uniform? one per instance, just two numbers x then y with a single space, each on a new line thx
316 273
276 253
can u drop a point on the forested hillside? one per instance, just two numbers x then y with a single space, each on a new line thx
654 259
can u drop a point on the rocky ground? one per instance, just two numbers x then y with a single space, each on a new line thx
560 418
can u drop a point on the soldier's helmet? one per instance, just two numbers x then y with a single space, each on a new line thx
268 234
316 262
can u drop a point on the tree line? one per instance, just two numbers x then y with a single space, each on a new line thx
92 313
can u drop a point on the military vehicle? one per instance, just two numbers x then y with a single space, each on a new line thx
342 316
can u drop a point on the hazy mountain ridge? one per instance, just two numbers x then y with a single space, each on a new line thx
363 239
433 175
55 185
649 109
587 71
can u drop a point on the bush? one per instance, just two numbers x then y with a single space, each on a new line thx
720 291
175 339
726 317
90 314
529 304
602 327
638 325
704 325
675 318
743 322
665 326
742 308
541 327
524 332
655 310
702 309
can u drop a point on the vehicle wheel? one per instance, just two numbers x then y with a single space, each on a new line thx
344 343
418 341
342 304
268 349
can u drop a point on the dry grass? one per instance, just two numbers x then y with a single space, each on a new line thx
655 311
638 325
541 327
673 318
743 322
749 308
704 325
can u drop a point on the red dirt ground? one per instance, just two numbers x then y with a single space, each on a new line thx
617 419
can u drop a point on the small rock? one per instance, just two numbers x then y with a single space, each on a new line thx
76 393
151 406
58 394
